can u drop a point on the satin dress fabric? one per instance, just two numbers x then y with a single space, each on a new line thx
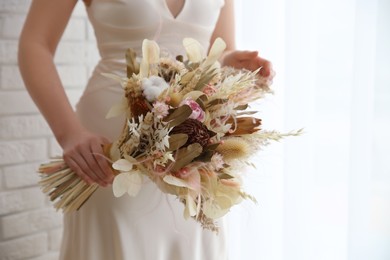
151 225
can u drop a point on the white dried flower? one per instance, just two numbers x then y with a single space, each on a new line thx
217 161
152 87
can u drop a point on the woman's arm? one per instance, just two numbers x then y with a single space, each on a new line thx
225 29
43 28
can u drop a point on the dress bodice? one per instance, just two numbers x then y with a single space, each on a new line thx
122 24
149 226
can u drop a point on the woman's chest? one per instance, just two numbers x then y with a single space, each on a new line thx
140 13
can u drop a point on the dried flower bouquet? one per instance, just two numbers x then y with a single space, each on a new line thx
187 129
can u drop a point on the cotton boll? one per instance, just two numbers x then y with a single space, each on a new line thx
153 86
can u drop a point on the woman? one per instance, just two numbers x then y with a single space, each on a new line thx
149 226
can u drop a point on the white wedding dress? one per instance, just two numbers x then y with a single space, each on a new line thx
151 225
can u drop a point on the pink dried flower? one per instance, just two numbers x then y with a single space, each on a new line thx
160 109
209 90
197 112
183 173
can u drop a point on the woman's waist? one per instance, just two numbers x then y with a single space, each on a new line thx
99 81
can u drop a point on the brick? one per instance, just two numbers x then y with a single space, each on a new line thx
75 30
13 127
55 238
20 176
8 51
19 200
19 102
29 222
11 25
69 53
73 76
22 151
23 248
10 78
16 102
14 6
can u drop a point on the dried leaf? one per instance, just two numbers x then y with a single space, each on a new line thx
194 95
118 109
193 49
242 107
150 51
187 77
122 165
215 52
178 116
212 146
205 79
176 141
127 182
172 180
132 64
213 210
150 55
217 102
206 156
186 155
191 208
245 125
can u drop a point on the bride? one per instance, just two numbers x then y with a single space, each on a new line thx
149 226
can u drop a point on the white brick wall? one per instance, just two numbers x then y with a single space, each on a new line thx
29 226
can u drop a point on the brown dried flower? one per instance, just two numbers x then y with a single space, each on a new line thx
196 131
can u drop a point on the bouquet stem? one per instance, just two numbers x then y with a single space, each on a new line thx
64 187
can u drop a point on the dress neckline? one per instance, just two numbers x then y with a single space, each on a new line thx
171 15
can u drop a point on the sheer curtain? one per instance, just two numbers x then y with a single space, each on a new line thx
324 195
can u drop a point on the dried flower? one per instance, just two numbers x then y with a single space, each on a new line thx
233 148
217 161
196 131
160 109
128 180
209 90
186 120
152 87
197 112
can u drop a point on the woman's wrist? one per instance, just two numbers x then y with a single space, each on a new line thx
65 133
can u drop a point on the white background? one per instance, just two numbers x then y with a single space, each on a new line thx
326 194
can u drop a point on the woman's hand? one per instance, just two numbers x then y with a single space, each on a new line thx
83 153
249 60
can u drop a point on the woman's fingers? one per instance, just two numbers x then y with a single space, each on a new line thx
102 161
93 169
266 67
87 160
245 55
251 60
74 166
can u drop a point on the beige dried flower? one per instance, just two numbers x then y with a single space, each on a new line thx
233 148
